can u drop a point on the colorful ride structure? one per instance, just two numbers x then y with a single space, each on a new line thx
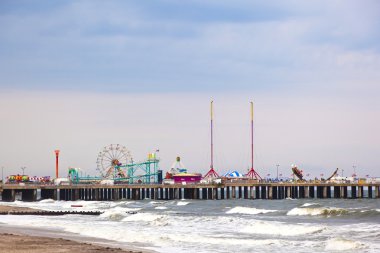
116 163
297 172
178 174
12 179
15 179
144 172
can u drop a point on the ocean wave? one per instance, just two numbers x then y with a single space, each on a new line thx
118 213
340 244
281 229
327 211
113 215
249 210
152 219
211 240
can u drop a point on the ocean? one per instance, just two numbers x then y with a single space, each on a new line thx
290 225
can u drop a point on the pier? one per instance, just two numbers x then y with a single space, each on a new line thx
244 190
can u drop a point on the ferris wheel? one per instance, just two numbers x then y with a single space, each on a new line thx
109 160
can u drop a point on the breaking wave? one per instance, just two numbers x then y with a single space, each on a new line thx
327 211
281 229
151 219
183 203
333 211
340 244
249 210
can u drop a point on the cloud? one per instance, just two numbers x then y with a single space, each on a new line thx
81 75
140 47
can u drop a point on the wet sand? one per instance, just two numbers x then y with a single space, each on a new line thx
16 209
12 243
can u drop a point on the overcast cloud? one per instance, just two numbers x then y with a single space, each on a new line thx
79 75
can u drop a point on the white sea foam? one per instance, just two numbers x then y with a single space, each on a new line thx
340 244
248 210
317 211
281 229
117 214
161 207
308 204
207 240
182 203
147 217
47 201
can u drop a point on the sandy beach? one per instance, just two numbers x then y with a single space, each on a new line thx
27 240
15 209
12 243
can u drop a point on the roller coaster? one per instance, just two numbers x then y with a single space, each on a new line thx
115 164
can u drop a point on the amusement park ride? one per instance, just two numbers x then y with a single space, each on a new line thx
115 163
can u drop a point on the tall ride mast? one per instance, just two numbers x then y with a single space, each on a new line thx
252 173
212 173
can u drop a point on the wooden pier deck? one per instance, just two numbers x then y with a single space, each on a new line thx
235 190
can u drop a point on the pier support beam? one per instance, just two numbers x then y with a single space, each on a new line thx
228 192
280 193
263 192
222 195
324 189
204 193
301 192
196 193
252 193
275 192
353 192
233 192
49 194
270 192
306 190
29 195
115 194
245 192
311 191
370 195
360 192
214 193
337 193
287 188
8 195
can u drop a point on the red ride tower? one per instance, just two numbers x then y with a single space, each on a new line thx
252 174
56 162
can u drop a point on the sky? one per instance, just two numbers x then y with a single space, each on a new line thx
80 75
